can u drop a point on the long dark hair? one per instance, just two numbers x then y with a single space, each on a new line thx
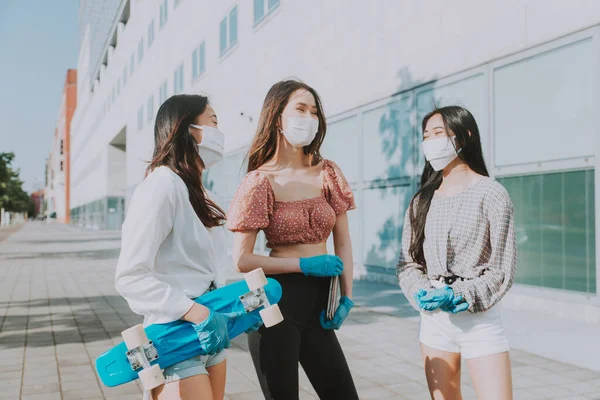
174 147
267 135
462 123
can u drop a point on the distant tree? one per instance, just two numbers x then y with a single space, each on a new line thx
12 196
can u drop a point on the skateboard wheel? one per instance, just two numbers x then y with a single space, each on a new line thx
256 279
134 337
271 316
151 377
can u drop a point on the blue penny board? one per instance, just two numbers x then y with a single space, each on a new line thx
177 341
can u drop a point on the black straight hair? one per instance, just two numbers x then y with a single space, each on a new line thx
460 122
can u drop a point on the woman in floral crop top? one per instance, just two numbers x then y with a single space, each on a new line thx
297 199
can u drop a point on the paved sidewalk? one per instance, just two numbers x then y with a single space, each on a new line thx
59 311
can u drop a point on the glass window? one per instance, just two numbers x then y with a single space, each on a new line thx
555 229
223 36
201 61
198 61
150 33
233 27
468 93
259 10
178 80
164 9
383 217
132 65
140 118
141 50
151 108
195 64
541 98
341 145
162 93
125 76
181 85
388 141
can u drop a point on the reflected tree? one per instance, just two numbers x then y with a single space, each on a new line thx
399 131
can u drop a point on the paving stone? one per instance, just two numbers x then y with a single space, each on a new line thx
74 315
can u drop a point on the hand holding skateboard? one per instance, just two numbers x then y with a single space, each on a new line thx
212 332
234 309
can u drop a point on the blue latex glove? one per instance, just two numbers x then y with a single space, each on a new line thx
436 298
340 314
323 265
212 332
458 305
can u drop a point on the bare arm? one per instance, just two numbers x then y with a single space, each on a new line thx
245 260
343 249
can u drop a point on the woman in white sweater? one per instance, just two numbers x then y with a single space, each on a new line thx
173 244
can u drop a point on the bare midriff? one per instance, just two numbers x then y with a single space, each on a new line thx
299 250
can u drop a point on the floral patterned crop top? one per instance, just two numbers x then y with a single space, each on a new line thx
306 221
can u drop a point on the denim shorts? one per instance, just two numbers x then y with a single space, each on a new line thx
196 365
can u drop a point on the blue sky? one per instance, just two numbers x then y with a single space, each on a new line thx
39 43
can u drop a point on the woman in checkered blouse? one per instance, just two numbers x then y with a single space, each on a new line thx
458 259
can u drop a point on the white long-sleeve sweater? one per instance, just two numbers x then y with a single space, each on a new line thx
168 257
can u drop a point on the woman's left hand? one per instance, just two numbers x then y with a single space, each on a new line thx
442 298
340 314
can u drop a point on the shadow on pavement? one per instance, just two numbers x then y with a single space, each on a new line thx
103 254
88 240
382 298
74 320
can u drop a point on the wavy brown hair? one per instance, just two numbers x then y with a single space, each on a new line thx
264 144
461 122
175 148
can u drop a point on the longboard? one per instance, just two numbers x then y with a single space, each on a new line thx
145 351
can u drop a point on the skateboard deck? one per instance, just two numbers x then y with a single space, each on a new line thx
177 341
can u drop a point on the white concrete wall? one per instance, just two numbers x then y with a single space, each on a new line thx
355 53
351 52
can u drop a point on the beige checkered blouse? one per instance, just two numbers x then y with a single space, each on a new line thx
470 236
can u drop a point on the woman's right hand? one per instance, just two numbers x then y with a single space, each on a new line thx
213 331
323 265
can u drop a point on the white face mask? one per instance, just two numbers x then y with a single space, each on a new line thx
212 146
300 131
440 151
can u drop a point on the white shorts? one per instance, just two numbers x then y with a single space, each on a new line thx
472 335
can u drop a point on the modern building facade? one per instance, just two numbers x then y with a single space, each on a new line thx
528 70
58 167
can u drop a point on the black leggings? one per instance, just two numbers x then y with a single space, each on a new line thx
276 351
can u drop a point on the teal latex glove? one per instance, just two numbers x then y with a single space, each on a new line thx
212 332
436 298
323 265
340 314
458 305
